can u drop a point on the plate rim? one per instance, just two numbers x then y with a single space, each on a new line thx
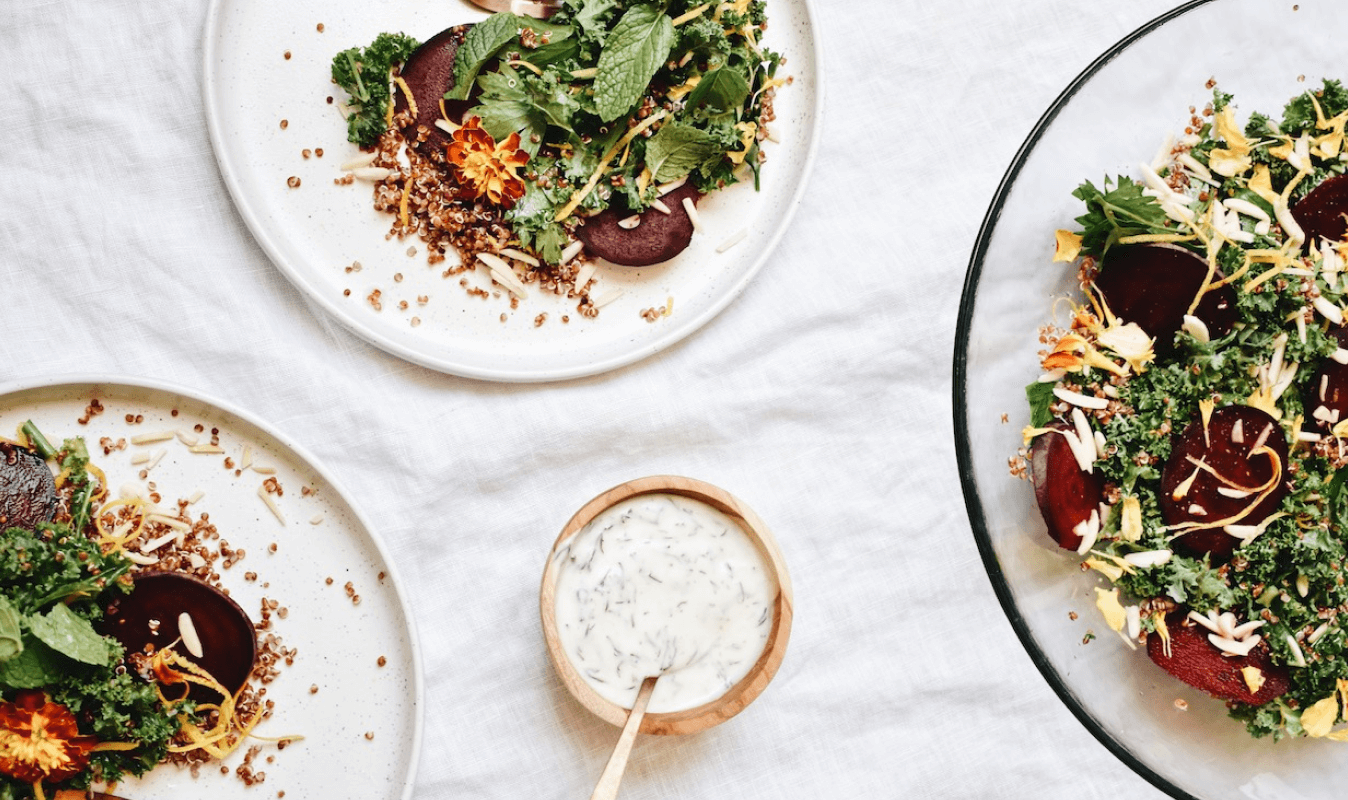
960 412
11 387
455 367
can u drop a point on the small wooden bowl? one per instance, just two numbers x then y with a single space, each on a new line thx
738 696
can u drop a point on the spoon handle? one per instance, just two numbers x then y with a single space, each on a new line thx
607 788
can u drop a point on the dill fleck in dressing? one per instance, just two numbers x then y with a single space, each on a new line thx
664 585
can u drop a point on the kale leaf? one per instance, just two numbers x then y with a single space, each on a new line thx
364 74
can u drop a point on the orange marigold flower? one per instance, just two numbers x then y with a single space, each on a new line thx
39 740
486 168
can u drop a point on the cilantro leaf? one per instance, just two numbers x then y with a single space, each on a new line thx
678 149
1120 210
636 48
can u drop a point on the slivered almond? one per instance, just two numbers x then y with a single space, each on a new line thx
188 438
1078 399
151 438
734 239
271 504
139 558
692 214
207 449
188 630
572 250
520 255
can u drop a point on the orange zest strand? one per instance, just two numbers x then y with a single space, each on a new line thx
109 538
229 730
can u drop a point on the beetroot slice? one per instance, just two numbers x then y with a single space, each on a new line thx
27 490
1329 388
1065 493
1320 213
1153 285
658 238
1202 502
149 616
1196 661
429 73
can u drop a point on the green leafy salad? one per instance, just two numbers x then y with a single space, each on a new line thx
604 105
1185 436
72 713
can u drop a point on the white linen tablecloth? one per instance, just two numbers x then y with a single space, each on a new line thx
821 397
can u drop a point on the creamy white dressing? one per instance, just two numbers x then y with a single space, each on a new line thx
664 585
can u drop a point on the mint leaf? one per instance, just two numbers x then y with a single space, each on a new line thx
720 91
1040 396
637 47
485 41
11 635
678 149
37 666
72 635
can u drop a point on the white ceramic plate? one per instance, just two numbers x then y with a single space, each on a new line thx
315 231
339 643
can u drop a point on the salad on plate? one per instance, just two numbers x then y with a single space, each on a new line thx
1189 428
536 148
120 649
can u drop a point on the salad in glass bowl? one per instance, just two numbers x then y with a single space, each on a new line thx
1189 427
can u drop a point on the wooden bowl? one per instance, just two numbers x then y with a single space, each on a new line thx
738 696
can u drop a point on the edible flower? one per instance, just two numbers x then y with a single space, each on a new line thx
1066 246
486 167
39 740
1234 159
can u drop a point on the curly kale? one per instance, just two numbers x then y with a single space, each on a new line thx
364 76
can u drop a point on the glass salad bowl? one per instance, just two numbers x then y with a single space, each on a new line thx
1111 119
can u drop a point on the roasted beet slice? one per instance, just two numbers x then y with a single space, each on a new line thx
149 616
1153 286
1321 212
1329 388
429 73
1065 493
1196 661
658 238
27 490
1233 432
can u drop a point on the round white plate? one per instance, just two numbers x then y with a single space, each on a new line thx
314 232
339 643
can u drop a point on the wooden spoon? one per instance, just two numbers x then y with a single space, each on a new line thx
75 794
524 8
607 788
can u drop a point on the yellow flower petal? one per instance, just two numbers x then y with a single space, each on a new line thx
1130 523
1226 129
1254 678
1107 600
1320 718
1066 247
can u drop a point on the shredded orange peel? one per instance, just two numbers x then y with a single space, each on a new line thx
1263 491
108 538
229 731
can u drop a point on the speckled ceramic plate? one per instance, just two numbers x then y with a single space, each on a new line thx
314 232
362 728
